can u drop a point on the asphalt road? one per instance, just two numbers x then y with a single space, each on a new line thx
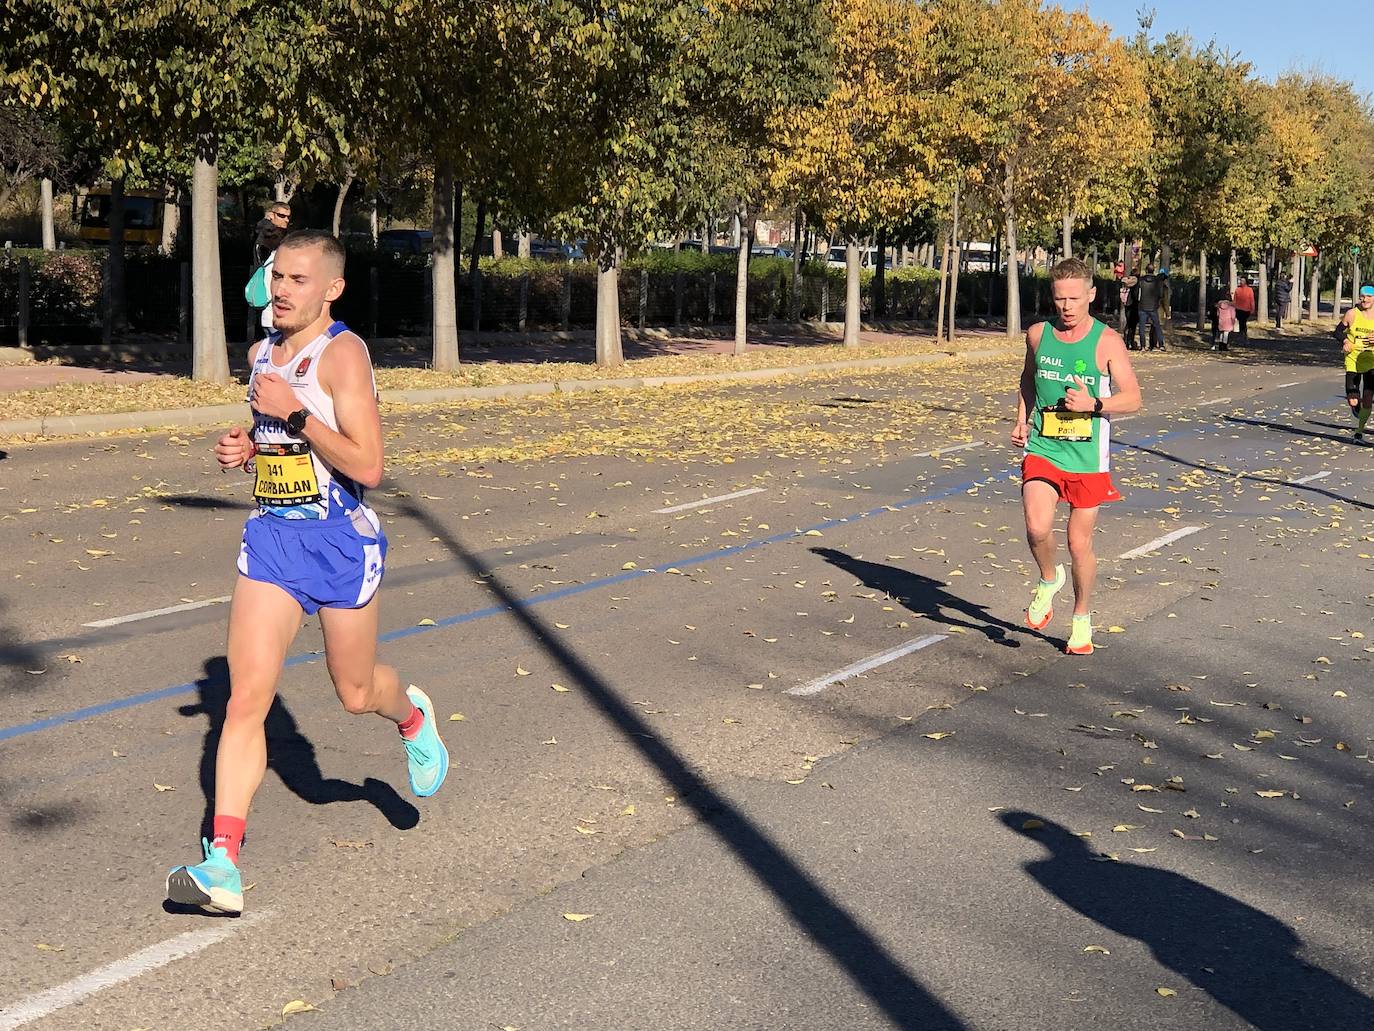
753 840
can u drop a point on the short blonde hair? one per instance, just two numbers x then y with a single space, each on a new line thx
1071 268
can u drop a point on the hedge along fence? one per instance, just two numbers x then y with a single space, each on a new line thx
391 296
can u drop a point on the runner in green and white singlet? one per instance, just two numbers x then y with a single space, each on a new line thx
1076 377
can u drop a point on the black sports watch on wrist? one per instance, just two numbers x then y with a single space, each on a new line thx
1097 408
295 422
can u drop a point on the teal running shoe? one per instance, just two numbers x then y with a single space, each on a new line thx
214 885
426 755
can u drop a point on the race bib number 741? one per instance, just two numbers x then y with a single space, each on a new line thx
286 475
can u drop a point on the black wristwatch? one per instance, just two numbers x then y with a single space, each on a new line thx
1097 409
295 422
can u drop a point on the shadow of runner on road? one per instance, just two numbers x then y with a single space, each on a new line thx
871 968
1244 958
926 598
290 755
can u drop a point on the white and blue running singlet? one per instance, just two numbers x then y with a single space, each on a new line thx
339 563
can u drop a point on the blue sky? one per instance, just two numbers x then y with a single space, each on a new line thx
1274 36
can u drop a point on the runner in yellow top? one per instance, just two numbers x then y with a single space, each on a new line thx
1356 332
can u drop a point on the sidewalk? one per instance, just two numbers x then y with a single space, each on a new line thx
537 366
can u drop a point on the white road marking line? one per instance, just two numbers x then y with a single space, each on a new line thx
704 502
947 450
864 665
1159 542
135 617
1217 401
1314 476
136 965
1293 384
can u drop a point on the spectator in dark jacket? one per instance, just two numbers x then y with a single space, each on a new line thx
1148 292
1283 297
270 229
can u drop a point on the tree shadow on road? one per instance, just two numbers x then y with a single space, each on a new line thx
1245 959
889 985
290 755
926 598
1310 488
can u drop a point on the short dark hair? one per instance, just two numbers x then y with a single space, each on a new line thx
326 242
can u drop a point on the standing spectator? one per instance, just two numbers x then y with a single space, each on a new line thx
1245 307
1132 310
1148 293
1283 297
270 229
1226 312
1166 312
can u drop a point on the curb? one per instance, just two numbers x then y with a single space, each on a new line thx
69 425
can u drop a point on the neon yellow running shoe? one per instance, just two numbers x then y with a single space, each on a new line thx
1041 609
1081 637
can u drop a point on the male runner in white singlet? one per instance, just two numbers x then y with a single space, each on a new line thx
312 546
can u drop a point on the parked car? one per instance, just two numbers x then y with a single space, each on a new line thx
868 257
557 250
405 241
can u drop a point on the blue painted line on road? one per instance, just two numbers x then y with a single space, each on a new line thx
132 701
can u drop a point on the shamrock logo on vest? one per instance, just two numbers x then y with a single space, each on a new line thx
1080 366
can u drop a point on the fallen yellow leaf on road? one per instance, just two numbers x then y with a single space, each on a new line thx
1116 629
1167 993
457 717
940 735
560 688
1271 794
520 671
426 622
163 787
577 918
296 1006
45 947
1097 949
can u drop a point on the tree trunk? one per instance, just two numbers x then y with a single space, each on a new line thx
497 242
1202 289
339 203
210 355
944 284
851 293
1314 292
736 230
279 191
478 233
608 347
1068 233
1013 279
1231 277
372 222
1262 300
525 245
445 255
171 220
880 277
1295 298
49 231
956 257
794 310
1340 289
119 313
1355 281
742 286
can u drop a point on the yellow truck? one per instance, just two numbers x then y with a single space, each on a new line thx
143 214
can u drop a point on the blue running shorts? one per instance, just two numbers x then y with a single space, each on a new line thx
322 563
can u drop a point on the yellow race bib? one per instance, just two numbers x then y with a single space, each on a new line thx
1059 425
286 475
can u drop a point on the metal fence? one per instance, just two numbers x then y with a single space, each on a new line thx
42 301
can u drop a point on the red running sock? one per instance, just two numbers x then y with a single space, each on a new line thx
410 726
229 835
